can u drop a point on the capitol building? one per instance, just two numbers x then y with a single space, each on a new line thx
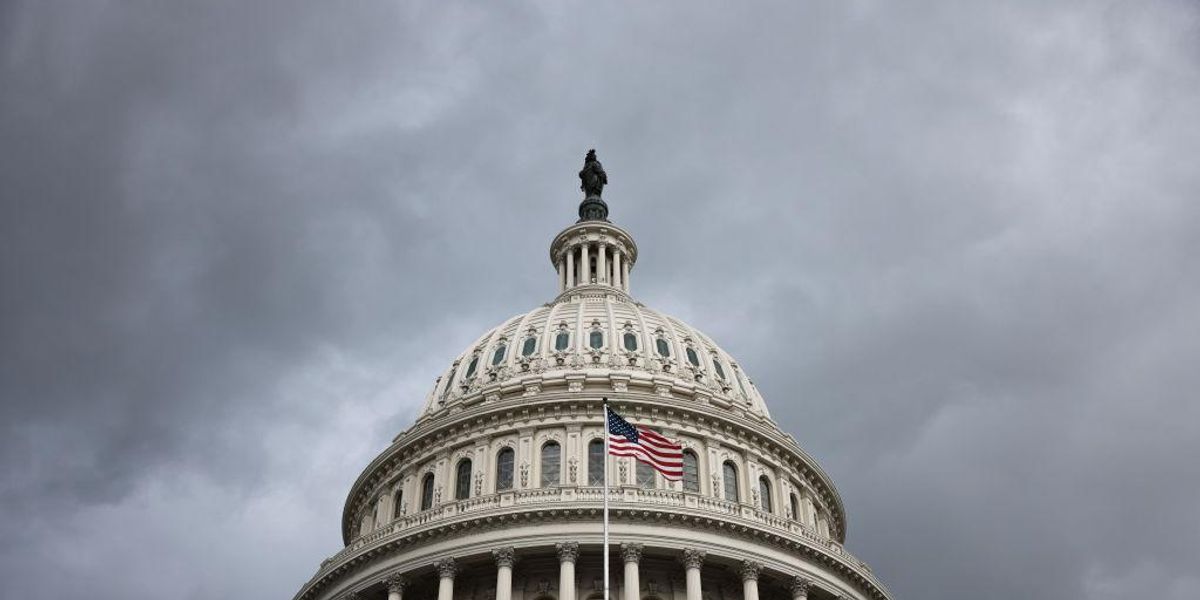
496 492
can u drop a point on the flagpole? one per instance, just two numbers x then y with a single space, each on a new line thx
606 459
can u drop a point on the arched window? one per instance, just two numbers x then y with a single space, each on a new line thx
764 494
644 474
691 472
795 507
427 492
504 469
730 475
693 357
562 340
498 355
529 346
449 381
595 464
630 341
398 504
462 480
596 340
551 464
717 367
471 367
664 349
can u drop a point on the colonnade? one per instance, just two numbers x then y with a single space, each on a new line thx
575 268
568 554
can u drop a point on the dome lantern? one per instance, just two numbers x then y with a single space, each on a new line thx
593 253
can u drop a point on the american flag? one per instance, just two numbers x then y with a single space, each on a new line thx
646 445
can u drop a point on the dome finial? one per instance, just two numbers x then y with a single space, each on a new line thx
592 181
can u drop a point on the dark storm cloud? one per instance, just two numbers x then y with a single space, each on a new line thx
954 246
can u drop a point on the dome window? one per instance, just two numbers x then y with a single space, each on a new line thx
718 369
691 472
398 505
730 475
764 493
644 473
562 340
693 357
471 367
664 349
529 346
450 381
462 480
596 340
427 492
630 341
504 469
795 507
595 472
498 356
551 464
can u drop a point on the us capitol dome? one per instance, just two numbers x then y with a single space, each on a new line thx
496 491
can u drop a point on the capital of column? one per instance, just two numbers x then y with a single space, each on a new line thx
750 570
395 584
446 568
631 552
800 586
567 551
693 558
505 557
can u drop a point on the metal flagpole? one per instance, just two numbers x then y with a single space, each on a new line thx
606 459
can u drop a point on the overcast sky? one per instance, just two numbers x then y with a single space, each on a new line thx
956 246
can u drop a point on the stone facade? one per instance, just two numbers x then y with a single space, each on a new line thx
495 493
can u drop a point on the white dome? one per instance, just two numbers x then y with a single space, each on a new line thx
596 333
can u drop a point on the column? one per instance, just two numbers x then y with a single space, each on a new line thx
571 268
601 266
395 587
505 559
568 553
584 265
617 281
693 559
632 554
447 570
800 587
625 276
750 571
562 275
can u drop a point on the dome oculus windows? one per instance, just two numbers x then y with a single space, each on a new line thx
498 355
562 340
692 357
664 349
529 346
630 341
471 367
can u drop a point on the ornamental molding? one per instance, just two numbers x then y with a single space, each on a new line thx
749 570
693 558
395 584
446 568
800 586
567 551
631 552
505 557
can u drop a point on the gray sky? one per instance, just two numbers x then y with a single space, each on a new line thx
955 246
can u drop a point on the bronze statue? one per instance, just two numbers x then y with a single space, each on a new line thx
592 177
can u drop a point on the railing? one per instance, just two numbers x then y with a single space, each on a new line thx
572 497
